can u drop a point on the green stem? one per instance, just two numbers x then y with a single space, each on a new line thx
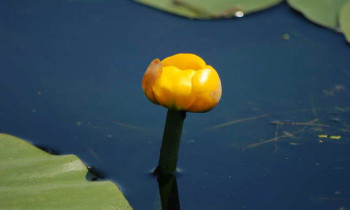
171 142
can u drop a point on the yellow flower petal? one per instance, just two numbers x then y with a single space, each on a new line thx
174 88
184 61
150 77
207 90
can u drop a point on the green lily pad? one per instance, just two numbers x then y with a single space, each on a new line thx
344 20
208 9
322 12
32 179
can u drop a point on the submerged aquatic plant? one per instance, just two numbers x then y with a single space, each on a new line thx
182 83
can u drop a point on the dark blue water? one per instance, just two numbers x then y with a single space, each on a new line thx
71 81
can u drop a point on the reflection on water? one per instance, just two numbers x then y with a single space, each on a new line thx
168 192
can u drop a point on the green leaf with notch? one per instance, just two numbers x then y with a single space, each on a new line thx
32 179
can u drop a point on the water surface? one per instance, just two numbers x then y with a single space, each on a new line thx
71 81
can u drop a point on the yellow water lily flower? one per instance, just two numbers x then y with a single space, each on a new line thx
182 82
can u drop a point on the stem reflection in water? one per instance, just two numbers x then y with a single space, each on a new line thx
168 192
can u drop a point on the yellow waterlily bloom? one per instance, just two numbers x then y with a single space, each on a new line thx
182 82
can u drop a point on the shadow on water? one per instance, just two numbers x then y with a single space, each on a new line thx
94 174
47 149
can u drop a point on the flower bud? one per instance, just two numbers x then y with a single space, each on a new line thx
182 82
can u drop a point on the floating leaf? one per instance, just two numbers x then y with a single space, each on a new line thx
207 9
344 20
32 179
322 12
